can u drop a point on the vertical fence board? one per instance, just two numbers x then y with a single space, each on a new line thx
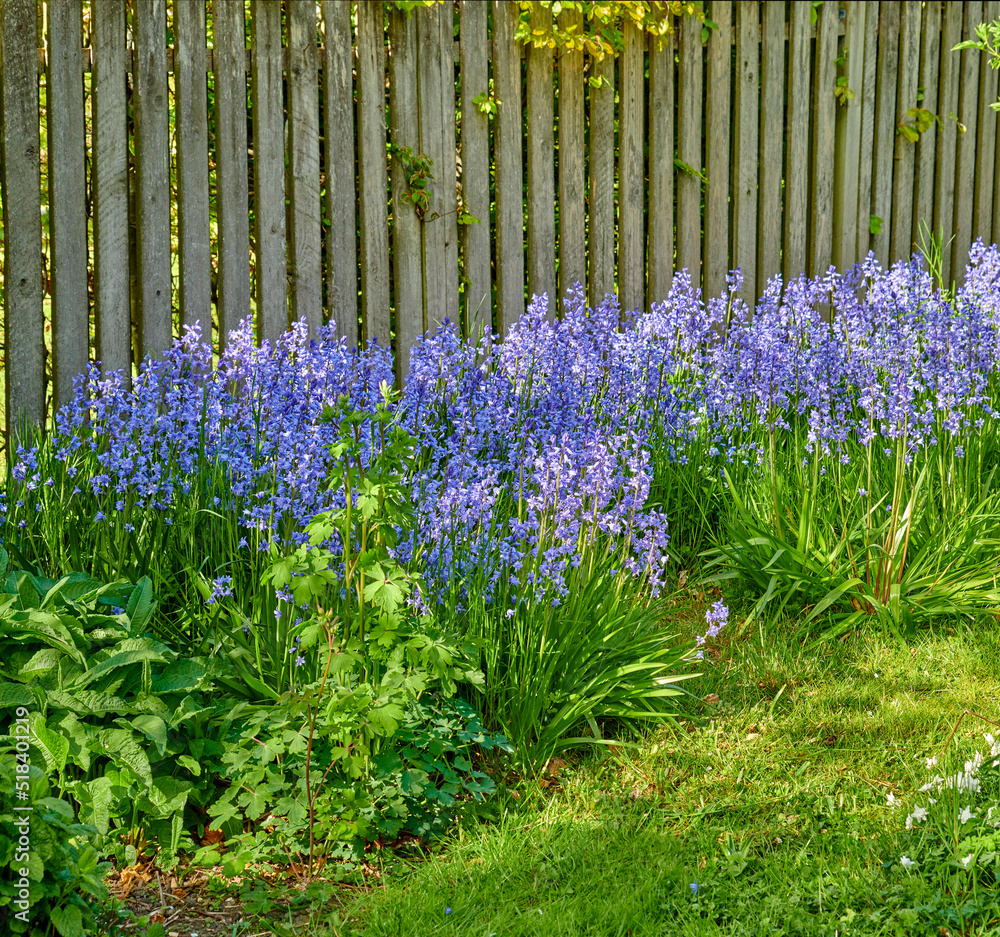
601 182
373 180
930 53
823 141
848 143
718 136
507 148
541 183
944 171
986 136
900 238
631 172
67 211
406 256
867 128
112 310
572 218
194 245
796 212
24 345
689 88
270 263
661 167
305 222
475 238
152 169
449 165
745 148
965 163
772 100
885 125
231 166
341 194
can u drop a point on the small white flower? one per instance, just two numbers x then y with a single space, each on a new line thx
891 800
966 815
919 814
906 863
931 762
967 861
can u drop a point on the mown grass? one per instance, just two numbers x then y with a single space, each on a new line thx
772 800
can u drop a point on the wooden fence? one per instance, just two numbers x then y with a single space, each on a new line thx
166 162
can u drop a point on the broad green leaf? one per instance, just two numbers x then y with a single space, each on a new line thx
70 588
15 694
140 605
151 652
96 798
153 727
68 921
53 748
124 749
183 674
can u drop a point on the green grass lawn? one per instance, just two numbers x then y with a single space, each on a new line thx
771 799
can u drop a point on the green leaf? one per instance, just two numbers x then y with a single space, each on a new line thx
874 224
15 694
141 650
125 750
153 727
68 921
96 798
184 674
53 747
140 605
70 588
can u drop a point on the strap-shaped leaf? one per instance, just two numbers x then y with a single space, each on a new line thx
140 605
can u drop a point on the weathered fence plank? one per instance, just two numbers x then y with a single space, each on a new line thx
717 140
339 165
540 168
944 171
67 210
745 147
270 258
112 308
885 126
406 236
824 118
930 55
231 167
449 163
507 148
194 245
848 142
601 182
372 175
900 239
661 169
796 209
986 137
475 238
689 93
152 169
572 218
19 156
631 172
965 162
306 224
772 100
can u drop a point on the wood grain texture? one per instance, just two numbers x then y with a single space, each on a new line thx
572 159
112 306
407 265
24 346
745 147
796 208
475 238
867 94
923 182
986 138
373 176
232 188
901 235
194 245
67 210
944 170
885 125
846 221
660 247
965 162
305 226
270 247
340 168
823 140
772 100
601 182
152 168
541 168
631 172
507 156
448 168
689 107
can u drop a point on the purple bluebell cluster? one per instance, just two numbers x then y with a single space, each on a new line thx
532 447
